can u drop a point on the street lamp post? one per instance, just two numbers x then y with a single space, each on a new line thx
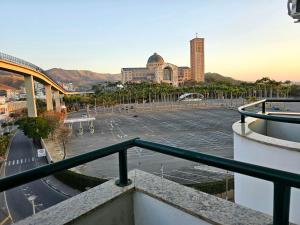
31 199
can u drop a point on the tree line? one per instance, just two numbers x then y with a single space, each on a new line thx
109 94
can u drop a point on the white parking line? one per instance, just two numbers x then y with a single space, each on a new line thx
8 163
13 162
17 162
21 161
32 159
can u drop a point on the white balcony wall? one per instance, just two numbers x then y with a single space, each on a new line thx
266 144
151 211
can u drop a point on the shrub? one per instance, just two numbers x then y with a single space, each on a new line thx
34 127
214 187
77 180
4 141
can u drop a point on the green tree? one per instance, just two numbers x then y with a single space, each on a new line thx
4 141
34 127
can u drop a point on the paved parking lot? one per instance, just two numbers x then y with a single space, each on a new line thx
206 129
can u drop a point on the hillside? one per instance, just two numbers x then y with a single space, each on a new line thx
10 79
215 77
81 78
85 78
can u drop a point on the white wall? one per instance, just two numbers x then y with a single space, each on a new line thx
150 211
116 211
285 131
259 126
258 194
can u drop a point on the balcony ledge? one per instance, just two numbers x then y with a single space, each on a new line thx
196 205
246 130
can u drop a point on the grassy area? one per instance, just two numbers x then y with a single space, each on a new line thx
4 142
78 181
215 187
82 182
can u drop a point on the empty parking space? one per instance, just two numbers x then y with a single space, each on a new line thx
206 130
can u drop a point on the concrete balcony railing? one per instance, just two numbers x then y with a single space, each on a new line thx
270 143
148 200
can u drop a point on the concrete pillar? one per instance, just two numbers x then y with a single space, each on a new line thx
31 104
57 101
49 101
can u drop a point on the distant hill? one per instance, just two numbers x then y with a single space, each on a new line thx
215 77
11 79
85 78
81 78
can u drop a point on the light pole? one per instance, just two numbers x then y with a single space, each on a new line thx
31 199
95 106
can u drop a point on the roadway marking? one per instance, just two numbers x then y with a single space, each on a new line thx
19 161
5 220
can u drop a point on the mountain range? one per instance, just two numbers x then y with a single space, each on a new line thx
81 78
84 79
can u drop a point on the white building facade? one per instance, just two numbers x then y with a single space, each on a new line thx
156 70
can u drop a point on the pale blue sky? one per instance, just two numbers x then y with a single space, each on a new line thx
245 39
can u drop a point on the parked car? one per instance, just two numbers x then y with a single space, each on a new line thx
190 97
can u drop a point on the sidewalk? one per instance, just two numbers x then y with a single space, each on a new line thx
54 183
4 214
5 217
60 187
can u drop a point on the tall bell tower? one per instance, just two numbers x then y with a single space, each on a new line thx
197 59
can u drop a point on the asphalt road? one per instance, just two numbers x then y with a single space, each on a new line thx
22 156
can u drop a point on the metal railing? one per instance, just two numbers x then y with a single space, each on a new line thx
22 62
263 115
283 181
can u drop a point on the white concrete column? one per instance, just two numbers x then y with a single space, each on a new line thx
57 101
30 95
49 101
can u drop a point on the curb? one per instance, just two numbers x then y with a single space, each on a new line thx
2 170
55 189
49 182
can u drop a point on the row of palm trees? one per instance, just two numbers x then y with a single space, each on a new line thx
114 93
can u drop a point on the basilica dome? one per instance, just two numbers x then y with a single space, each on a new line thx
155 58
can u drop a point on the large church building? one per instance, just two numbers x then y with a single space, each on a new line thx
159 71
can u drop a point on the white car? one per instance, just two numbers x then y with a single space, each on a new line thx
190 97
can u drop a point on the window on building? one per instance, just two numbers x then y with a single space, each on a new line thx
167 73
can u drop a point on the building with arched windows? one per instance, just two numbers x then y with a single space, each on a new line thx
158 71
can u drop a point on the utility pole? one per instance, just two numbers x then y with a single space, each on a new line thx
95 107
31 199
